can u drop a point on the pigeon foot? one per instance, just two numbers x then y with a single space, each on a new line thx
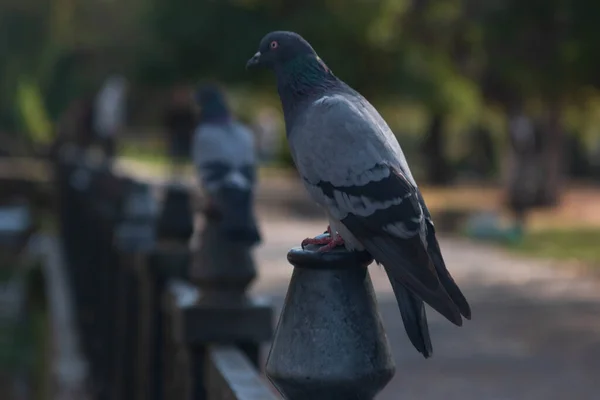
332 244
319 240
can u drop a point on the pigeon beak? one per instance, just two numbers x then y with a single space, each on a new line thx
254 61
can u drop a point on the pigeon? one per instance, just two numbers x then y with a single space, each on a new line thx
352 166
223 154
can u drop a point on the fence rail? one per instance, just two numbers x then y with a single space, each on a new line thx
147 330
162 320
230 375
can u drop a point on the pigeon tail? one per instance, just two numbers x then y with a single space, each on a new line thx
391 254
435 253
447 282
414 317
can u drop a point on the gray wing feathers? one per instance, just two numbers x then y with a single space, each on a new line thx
349 156
353 166
433 248
414 318
399 264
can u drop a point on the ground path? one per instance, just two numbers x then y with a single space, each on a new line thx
535 332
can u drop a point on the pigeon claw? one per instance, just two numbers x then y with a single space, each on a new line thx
332 244
317 241
327 240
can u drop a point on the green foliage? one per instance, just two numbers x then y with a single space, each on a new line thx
452 57
541 48
33 114
573 244
436 53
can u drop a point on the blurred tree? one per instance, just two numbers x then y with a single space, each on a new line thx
578 164
22 31
380 47
441 68
215 39
451 56
539 51
45 55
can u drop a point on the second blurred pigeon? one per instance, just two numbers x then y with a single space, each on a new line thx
223 152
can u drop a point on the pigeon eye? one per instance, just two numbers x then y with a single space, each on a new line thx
274 44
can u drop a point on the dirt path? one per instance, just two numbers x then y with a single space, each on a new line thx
535 332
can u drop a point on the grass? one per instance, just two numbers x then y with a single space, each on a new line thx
580 244
144 152
570 231
149 156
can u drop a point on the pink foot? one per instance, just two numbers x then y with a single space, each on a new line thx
317 241
332 244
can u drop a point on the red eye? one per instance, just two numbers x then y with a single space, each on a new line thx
274 44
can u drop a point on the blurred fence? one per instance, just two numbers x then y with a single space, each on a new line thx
144 330
163 317
16 355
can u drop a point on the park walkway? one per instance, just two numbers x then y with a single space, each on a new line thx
535 332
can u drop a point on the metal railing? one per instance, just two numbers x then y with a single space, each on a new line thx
160 319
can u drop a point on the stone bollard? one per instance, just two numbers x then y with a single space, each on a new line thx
176 222
330 343
102 203
146 264
88 250
222 270
135 236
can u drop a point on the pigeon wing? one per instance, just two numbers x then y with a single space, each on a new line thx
352 167
433 248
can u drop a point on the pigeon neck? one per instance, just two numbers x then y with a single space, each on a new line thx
215 113
215 119
302 79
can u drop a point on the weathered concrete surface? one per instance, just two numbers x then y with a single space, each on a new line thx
535 332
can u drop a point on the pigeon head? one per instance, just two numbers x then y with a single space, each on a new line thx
279 48
299 72
212 102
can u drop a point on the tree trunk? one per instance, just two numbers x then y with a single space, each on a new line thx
523 172
482 153
436 164
553 156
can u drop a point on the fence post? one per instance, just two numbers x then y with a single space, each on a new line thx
330 342
170 260
177 373
134 238
166 262
73 183
87 245
102 203
224 313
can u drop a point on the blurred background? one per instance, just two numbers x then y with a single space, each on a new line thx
495 103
